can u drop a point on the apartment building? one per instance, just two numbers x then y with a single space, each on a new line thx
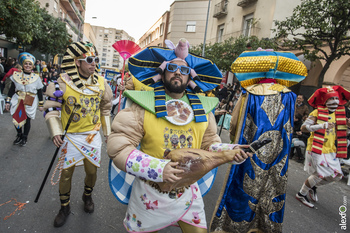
156 35
232 18
72 12
105 38
185 19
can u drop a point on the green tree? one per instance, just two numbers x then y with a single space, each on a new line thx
223 54
19 19
52 36
29 25
315 25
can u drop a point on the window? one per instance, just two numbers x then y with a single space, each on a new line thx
106 30
55 6
247 24
169 28
220 32
161 29
191 26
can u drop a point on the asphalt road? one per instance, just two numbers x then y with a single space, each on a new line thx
23 168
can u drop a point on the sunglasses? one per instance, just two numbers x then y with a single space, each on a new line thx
171 67
89 60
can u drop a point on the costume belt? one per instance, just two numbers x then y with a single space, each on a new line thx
22 94
156 186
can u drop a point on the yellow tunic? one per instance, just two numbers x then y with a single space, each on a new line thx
88 115
329 137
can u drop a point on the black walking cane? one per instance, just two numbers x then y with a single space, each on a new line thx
227 106
76 107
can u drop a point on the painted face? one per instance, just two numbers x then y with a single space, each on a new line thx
176 82
332 103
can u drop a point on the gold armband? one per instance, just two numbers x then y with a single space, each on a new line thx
55 126
8 100
106 125
41 103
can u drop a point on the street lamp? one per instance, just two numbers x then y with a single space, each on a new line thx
205 32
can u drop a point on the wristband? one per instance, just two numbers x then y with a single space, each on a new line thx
145 166
218 147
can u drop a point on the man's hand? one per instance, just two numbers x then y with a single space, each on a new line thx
41 109
57 140
120 87
240 155
7 107
170 172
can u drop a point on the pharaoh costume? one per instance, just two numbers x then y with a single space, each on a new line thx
25 95
154 121
253 196
91 98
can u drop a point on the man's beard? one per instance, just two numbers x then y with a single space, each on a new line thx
174 89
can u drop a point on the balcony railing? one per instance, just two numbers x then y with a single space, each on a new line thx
254 31
73 27
244 3
220 9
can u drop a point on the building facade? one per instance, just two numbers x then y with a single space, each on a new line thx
157 34
185 19
105 38
72 12
256 18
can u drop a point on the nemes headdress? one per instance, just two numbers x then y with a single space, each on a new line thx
252 67
148 65
78 50
318 100
23 57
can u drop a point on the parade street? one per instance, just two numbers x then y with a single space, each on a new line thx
22 170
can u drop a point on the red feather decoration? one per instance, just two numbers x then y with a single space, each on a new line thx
126 48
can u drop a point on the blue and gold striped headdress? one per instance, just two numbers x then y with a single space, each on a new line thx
23 57
252 67
148 66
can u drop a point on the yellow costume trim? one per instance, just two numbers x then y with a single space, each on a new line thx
68 80
54 125
267 89
19 78
106 125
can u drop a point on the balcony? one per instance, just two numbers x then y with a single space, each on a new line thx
245 3
220 9
253 31
73 27
72 10
80 4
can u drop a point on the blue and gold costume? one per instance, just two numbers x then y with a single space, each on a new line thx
253 196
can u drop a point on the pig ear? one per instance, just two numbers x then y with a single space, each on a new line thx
170 44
